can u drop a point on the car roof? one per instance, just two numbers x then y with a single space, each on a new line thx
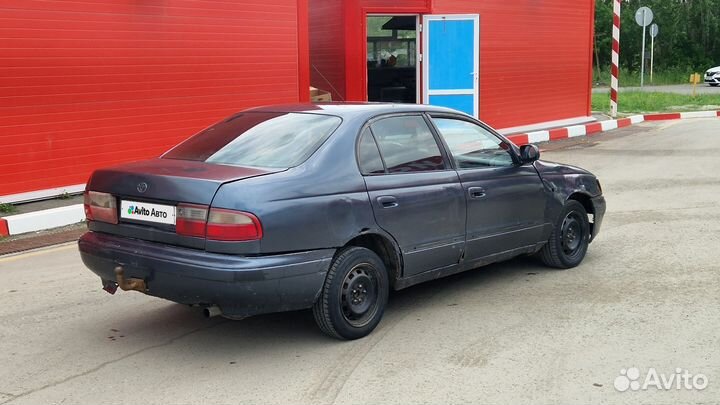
352 110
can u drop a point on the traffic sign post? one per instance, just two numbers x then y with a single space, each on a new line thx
654 30
643 17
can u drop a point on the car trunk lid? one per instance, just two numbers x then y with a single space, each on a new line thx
162 184
170 180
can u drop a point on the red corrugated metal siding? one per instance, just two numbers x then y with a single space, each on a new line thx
89 83
303 50
412 6
327 46
535 58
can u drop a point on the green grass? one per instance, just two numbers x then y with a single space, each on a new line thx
638 102
632 79
6 208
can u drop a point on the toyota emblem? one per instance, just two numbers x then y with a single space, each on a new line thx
142 187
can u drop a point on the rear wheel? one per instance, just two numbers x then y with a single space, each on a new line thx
715 84
354 295
569 240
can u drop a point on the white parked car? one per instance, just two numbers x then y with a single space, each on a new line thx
712 76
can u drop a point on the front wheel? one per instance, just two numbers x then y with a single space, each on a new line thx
569 240
354 295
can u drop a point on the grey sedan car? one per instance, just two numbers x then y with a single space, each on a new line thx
329 207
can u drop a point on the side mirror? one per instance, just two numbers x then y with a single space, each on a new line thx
529 153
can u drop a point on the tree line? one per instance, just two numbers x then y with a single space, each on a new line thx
689 38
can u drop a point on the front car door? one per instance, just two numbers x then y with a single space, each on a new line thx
415 194
505 199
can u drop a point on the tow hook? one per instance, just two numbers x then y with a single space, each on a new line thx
129 284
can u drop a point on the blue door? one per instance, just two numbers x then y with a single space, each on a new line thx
451 62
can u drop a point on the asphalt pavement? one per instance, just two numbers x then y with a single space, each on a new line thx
646 297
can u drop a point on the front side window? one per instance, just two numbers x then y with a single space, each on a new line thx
473 146
407 145
259 139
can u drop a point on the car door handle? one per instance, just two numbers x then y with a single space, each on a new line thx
476 192
387 201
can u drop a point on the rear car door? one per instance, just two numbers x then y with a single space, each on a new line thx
415 195
505 199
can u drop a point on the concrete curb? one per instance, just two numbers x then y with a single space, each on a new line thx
41 220
603 126
56 217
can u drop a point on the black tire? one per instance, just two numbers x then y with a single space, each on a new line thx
569 241
714 84
354 295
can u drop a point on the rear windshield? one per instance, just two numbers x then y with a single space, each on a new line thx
259 139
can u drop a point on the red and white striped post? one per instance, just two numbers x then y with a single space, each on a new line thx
615 59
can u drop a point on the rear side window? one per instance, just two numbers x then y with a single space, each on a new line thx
368 155
259 139
407 145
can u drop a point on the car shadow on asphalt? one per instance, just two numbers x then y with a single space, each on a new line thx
299 327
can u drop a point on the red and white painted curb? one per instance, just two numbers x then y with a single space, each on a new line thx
41 220
602 126
56 217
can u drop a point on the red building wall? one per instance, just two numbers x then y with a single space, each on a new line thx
403 4
535 55
89 83
327 54
535 58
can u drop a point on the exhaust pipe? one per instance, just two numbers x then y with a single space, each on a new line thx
212 311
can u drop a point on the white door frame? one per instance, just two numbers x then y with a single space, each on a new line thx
475 92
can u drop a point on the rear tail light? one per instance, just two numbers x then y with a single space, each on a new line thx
191 220
233 225
100 207
216 223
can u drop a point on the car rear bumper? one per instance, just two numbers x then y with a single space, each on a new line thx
239 285
599 210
